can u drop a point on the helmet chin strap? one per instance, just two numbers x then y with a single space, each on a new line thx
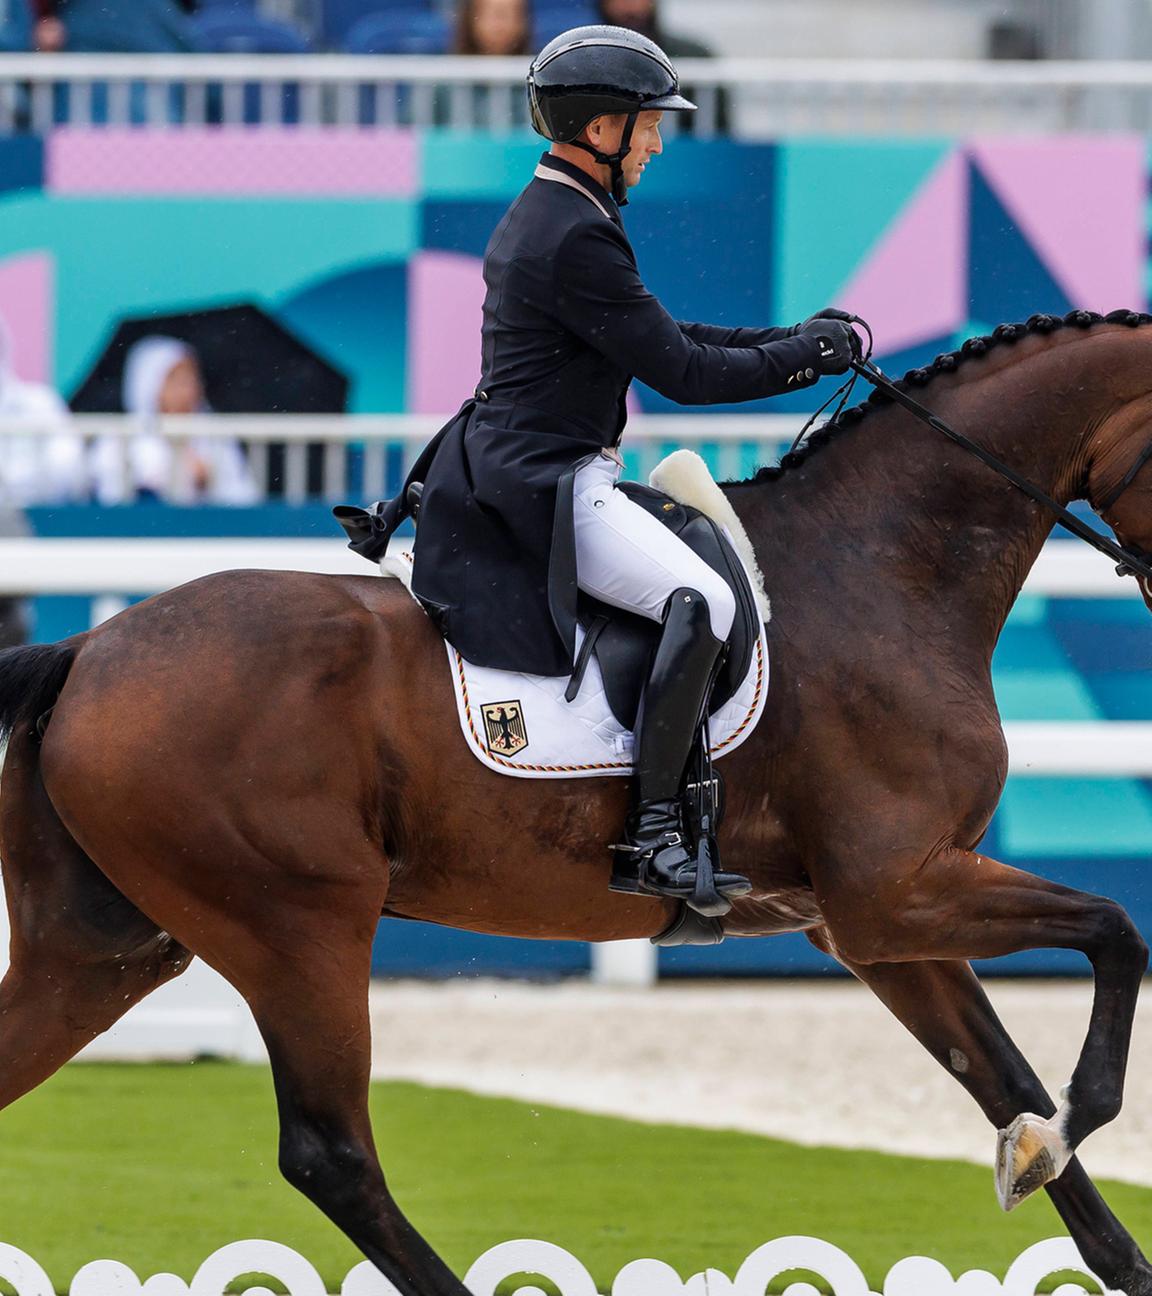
615 161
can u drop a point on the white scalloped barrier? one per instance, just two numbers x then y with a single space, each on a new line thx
916 1276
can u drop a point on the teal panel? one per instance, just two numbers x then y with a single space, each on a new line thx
1043 695
836 200
117 257
457 164
1029 609
358 319
1074 816
1031 647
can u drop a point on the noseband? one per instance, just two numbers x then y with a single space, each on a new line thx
1129 562
1125 569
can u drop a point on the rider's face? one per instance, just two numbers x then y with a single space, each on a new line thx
646 141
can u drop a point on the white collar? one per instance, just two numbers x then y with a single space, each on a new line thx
546 173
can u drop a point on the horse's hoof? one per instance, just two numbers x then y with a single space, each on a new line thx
1030 1153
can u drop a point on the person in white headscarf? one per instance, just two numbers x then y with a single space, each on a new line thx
35 467
162 377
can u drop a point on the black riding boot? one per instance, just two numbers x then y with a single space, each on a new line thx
654 858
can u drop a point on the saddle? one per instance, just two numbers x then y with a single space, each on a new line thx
624 642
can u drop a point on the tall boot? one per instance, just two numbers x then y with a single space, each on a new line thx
654 858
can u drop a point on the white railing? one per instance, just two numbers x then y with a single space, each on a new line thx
915 1276
766 96
321 447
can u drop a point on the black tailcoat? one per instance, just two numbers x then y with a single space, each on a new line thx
567 325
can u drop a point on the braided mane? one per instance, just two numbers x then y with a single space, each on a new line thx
947 363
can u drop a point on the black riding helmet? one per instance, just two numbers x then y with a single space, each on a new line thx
589 71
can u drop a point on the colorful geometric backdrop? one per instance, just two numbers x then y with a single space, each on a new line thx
369 243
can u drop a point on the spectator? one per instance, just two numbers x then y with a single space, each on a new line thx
643 16
162 377
34 468
115 26
15 27
496 29
499 28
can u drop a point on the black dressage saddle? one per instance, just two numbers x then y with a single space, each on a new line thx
624 643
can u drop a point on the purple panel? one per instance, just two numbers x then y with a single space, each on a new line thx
298 161
445 309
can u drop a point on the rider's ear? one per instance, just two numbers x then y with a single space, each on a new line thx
594 131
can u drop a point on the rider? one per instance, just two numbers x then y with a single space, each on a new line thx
519 508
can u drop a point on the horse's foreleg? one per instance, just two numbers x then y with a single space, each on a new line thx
945 1008
313 1013
961 905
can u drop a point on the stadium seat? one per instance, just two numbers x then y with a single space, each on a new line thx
231 30
403 31
339 17
226 6
550 20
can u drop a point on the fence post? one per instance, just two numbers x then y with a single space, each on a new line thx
625 963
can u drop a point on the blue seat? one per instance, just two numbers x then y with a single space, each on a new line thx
229 6
15 26
339 17
228 29
549 20
399 31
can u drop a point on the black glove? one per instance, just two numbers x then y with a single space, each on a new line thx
836 342
829 312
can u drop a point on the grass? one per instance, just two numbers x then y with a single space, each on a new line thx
158 1166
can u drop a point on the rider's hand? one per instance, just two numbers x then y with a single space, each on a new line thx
829 312
836 341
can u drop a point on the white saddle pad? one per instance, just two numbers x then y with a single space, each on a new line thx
521 725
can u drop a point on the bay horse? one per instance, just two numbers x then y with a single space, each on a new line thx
253 767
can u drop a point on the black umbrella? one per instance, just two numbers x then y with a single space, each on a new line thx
251 364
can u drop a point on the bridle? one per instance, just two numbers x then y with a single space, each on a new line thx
1129 562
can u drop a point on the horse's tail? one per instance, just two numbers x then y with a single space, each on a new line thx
30 681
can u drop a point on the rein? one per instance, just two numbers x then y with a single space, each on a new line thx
1128 563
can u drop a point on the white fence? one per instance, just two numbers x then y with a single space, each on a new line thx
319 451
766 97
915 1276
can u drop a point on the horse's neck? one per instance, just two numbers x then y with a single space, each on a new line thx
890 500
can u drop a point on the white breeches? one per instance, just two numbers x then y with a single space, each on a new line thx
625 557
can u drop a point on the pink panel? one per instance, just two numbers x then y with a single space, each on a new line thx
445 301
913 286
1079 200
298 161
27 306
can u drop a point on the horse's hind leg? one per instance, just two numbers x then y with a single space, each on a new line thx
946 1009
81 954
303 965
